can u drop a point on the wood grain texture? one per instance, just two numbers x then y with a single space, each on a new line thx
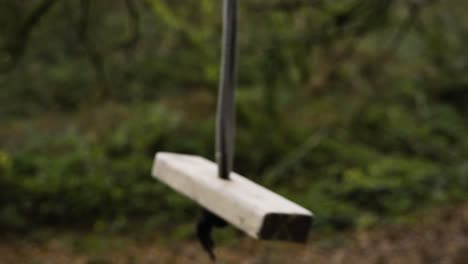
250 207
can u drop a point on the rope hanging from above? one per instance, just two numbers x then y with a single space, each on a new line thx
225 120
225 123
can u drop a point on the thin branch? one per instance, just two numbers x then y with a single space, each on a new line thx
134 23
94 57
296 156
288 6
17 46
402 31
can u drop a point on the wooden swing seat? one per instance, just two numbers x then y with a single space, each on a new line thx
250 207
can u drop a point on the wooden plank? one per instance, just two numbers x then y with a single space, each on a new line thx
250 207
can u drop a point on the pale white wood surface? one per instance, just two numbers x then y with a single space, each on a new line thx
241 202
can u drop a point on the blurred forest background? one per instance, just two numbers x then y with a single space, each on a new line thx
355 109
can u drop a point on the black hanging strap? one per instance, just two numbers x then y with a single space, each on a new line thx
225 123
225 120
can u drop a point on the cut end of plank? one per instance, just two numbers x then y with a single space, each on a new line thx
286 227
246 205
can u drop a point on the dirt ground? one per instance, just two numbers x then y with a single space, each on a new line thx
439 236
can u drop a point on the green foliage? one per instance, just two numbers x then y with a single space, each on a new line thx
355 110
100 178
103 179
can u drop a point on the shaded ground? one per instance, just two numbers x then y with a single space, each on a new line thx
439 236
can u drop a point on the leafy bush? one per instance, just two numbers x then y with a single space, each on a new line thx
356 109
98 175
